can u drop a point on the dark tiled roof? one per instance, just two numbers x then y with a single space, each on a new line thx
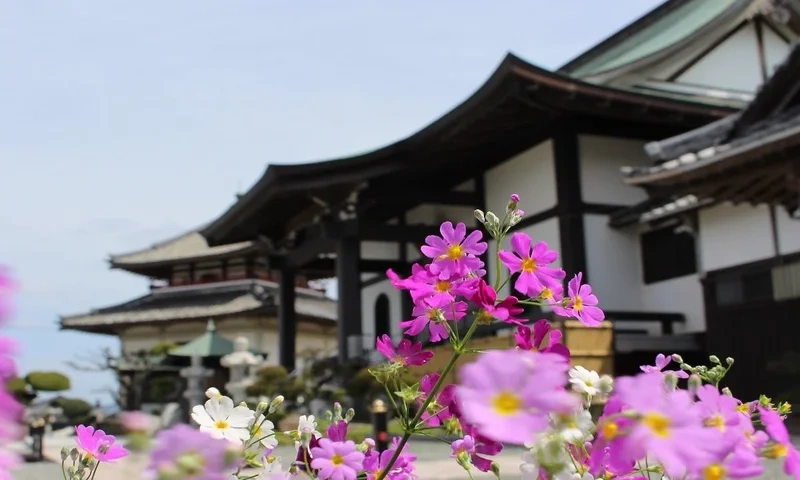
201 302
188 246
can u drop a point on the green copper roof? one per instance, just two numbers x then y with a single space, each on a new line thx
208 345
664 32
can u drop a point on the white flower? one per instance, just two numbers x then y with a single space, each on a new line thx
529 467
221 419
213 393
308 425
584 381
606 385
264 431
272 470
574 428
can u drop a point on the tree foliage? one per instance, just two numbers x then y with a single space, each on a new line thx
48 381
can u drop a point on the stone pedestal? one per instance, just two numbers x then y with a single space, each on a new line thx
195 376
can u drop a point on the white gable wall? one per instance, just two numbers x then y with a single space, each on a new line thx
775 49
531 174
601 159
788 232
734 235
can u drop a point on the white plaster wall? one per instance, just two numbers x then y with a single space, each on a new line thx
262 335
368 297
788 232
613 264
775 49
681 294
733 65
380 251
732 235
531 174
436 214
601 159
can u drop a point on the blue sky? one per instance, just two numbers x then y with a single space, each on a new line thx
123 123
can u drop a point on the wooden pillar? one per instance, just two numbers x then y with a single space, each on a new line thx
568 192
348 278
287 320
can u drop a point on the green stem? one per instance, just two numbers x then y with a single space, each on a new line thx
439 383
94 472
497 267
63 472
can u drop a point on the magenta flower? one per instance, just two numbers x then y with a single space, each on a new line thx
454 253
582 304
669 428
438 410
424 284
337 431
732 460
526 341
483 446
406 354
473 447
403 469
532 263
782 448
506 311
187 451
514 198
719 411
303 457
337 460
507 394
98 445
432 313
661 363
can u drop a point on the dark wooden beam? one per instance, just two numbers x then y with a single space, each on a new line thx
390 197
309 251
348 279
287 319
568 194
365 266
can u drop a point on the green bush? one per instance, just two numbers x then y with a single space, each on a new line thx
76 410
17 385
363 384
48 381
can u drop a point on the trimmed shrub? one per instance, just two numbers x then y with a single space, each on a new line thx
48 381
76 410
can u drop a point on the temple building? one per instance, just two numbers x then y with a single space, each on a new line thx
558 139
192 284
731 191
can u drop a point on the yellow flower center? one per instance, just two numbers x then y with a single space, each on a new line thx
743 408
377 473
258 431
221 424
528 265
716 421
442 286
546 293
714 472
777 450
578 303
88 456
506 403
271 459
608 476
484 317
658 423
610 430
454 252
433 314
337 459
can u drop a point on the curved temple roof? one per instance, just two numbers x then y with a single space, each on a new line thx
532 98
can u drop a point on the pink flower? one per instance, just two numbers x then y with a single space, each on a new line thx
526 341
483 445
454 255
669 428
337 431
719 411
407 353
98 445
514 198
473 447
661 363
403 468
424 284
507 394
732 460
532 263
437 412
782 448
506 311
139 422
582 304
336 460
431 313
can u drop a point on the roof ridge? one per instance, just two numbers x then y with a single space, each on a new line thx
161 243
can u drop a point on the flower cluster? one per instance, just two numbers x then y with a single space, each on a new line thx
10 409
528 395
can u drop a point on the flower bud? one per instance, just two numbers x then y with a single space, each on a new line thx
694 384
677 358
514 198
294 470
479 215
729 361
64 453
671 380
686 367
495 469
329 415
727 391
74 454
349 415
463 459
714 359
492 220
213 393
261 408
275 403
